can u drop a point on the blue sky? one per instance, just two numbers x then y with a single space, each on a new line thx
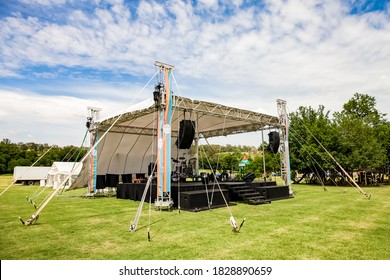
57 57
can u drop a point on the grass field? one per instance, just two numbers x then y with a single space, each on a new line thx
338 224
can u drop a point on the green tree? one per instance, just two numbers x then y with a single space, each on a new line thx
362 107
308 128
360 146
25 154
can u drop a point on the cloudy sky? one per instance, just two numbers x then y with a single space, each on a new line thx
57 57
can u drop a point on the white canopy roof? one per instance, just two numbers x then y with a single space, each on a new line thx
59 167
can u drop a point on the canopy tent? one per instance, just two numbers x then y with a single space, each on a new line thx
130 145
59 171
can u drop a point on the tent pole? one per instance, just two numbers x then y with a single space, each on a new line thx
262 144
197 146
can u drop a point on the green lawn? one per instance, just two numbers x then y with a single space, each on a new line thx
338 224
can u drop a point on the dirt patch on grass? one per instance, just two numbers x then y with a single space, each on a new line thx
359 225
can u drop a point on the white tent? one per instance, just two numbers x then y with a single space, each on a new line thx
59 171
130 145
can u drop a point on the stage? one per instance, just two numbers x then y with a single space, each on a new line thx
195 196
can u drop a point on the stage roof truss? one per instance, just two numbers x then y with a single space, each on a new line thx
212 119
121 129
218 110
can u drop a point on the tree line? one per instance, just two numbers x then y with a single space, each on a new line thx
226 159
25 154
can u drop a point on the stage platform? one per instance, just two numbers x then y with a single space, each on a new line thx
198 196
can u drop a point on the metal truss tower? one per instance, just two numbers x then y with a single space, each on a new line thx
284 148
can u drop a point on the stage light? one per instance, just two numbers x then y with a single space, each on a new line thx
88 123
157 93
156 96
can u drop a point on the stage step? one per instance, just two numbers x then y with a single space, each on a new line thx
239 189
258 192
256 197
249 195
258 201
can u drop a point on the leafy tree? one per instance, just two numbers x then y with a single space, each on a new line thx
382 133
308 128
228 161
362 107
357 129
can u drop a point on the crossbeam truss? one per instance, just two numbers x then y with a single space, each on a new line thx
232 120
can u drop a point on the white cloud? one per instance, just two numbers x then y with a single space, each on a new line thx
44 2
48 119
209 3
309 53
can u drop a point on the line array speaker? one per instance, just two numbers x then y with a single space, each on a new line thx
274 141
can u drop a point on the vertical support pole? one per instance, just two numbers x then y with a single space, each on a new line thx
164 137
262 144
93 163
284 148
197 146
93 129
167 131
160 154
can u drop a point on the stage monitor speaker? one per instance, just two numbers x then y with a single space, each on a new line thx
249 177
274 141
198 200
186 134
274 192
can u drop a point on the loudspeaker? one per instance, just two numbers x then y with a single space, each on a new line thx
249 177
274 192
198 200
274 141
186 134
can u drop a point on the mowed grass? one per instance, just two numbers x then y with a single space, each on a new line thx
338 224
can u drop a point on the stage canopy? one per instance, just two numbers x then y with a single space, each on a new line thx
130 145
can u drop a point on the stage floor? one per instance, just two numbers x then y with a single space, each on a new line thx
233 191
